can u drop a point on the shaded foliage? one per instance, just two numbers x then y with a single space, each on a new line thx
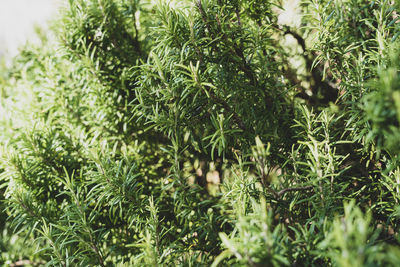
201 133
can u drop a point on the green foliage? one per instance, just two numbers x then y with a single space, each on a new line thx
263 245
204 133
352 242
382 108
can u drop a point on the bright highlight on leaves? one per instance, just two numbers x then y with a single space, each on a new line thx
204 133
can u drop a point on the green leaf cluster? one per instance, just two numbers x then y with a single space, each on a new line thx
204 133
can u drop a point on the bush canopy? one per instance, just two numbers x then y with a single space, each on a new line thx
204 133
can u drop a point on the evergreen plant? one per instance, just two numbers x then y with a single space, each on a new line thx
204 133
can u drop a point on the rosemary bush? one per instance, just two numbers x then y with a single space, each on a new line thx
204 133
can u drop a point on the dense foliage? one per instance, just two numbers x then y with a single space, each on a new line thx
206 132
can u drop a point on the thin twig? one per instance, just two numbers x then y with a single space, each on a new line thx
238 120
329 92
290 189
237 11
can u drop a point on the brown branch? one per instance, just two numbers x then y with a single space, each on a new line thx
237 11
203 15
290 189
329 92
236 49
295 35
98 254
136 39
238 120
293 189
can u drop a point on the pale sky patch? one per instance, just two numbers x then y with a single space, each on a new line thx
17 21
291 15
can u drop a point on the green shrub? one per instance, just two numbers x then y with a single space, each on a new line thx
201 133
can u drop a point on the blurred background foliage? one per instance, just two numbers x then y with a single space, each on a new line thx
207 132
